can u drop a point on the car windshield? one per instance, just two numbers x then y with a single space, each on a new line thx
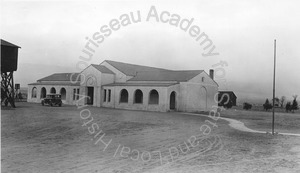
50 96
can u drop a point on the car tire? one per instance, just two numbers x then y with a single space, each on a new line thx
59 105
51 104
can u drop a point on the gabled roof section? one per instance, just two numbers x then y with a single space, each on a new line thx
60 77
228 92
102 69
6 43
142 84
211 78
178 76
67 83
132 69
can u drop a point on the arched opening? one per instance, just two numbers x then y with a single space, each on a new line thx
43 92
138 96
63 93
173 100
124 96
33 93
203 98
153 97
53 90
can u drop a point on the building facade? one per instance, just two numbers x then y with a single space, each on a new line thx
127 86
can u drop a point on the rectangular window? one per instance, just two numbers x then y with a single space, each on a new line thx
109 95
74 94
77 98
104 99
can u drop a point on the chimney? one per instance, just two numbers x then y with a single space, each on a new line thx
211 74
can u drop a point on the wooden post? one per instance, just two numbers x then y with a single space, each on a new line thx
273 116
7 89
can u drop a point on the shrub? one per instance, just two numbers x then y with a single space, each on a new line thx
291 106
288 107
267 105
294 106
247 106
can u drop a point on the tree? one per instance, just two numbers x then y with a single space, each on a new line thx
288 107
247 106
267 105
20 96
282 100
294 105
276 102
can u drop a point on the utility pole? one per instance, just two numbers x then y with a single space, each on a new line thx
273 117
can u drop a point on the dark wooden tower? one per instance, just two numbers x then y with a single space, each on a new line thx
9 64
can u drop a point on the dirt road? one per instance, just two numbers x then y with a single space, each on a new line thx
68 139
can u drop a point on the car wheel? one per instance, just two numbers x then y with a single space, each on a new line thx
59 105
51 104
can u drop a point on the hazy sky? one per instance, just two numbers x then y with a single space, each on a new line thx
53 34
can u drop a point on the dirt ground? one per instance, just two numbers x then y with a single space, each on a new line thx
70 139
262 120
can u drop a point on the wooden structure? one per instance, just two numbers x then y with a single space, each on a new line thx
9 64
222 97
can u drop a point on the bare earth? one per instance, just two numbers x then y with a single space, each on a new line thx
37 138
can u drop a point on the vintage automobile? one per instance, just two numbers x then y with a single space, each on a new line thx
52 100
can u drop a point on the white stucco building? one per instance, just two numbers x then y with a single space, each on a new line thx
128 86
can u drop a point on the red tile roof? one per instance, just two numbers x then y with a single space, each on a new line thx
60 77
143 84
178 76
102 69
139 73
68 83
132 69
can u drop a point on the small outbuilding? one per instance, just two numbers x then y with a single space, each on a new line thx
223 95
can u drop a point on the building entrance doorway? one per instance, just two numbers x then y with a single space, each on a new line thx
173 101
90 94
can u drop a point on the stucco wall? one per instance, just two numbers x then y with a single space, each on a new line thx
111 103
119 77
115 98
197 94
107 78
172 88
91 77
38 99
205 76
195 97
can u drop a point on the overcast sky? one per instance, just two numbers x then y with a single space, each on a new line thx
53 34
